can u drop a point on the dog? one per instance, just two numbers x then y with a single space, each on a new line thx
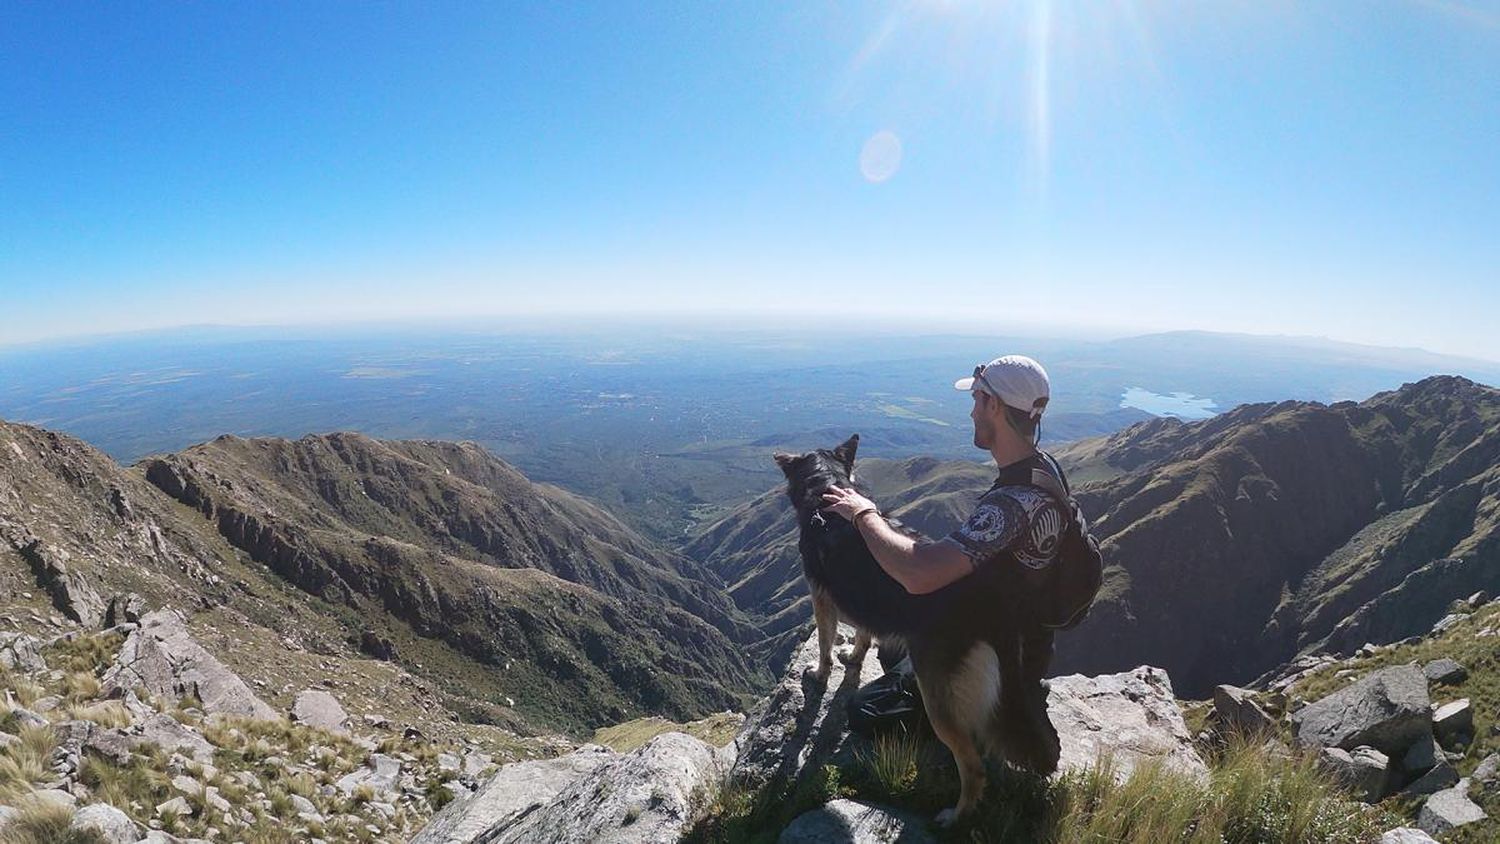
963 643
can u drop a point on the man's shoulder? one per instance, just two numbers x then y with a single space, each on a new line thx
1028 497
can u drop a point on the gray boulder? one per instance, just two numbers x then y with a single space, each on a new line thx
643 796
107 822
381 774
161 730
1445 671
1406 835
162 657
1236 710
1487 773
801 726
71 591
1365 771
1131 717
318 708
1388 710
1449 809
514 790
853 822
20 652
1453 723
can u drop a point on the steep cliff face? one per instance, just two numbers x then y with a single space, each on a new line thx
1278 528
1232 543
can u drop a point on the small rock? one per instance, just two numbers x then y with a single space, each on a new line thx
1487 773
1406 835
26 718
106 822
1453 722
1478 599
320 709
857 823
301 804
379 722
1445 671
187 785
175 806
56 796
1448 810
449 763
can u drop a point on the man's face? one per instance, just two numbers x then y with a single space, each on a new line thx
983 414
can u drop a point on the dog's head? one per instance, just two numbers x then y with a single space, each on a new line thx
809 475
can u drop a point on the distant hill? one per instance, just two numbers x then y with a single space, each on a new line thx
1233 543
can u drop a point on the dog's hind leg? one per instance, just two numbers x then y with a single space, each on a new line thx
960 703
826 614
856 657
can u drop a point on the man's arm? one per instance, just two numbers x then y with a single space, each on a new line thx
919 566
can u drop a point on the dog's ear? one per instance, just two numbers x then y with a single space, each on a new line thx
785 461
845 452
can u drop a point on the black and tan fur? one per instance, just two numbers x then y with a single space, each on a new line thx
962 638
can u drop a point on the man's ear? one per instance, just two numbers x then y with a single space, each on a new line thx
845 452
785 461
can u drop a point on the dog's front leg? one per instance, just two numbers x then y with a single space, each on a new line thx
826 614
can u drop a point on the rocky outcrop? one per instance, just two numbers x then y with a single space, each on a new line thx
800 726
162 658
515 790
20 652
590 795
1126 718
1389 710
71 591
853 822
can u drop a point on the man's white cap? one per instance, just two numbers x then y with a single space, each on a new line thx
1016 380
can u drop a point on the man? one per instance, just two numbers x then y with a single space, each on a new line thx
1014 524
1010 393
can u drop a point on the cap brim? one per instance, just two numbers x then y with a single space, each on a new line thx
963 384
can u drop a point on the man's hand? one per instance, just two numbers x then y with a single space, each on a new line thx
845 502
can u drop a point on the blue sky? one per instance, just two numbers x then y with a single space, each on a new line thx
1307 168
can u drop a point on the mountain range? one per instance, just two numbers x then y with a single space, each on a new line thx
1232 544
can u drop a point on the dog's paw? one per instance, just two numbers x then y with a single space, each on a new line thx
853 659
818 672
947 817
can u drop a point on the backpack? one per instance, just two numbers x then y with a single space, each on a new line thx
1072 581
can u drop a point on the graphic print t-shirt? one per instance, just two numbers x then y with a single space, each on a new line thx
1020 519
